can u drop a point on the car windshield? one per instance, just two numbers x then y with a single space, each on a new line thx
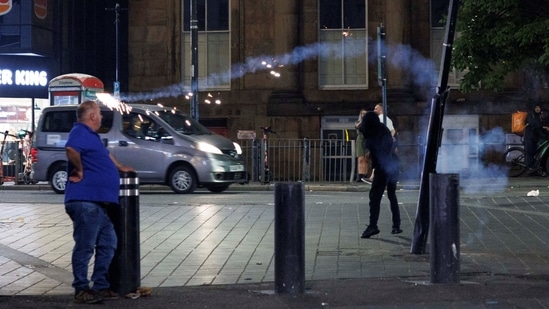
182 123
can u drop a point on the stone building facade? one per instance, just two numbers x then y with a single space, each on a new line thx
292 103
295 104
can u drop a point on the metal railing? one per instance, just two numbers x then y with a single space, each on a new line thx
311 160
334 160
307 160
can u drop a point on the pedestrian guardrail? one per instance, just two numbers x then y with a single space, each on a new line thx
334 160
306 160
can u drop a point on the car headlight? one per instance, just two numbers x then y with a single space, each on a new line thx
237 147
202 146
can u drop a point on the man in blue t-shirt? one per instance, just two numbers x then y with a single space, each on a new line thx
92 186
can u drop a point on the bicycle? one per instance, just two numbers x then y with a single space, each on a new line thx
4 156
25 161
25 177
266 176
514 160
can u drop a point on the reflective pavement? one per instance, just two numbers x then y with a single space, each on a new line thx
503 232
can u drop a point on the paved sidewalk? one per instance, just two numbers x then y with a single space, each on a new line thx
223 256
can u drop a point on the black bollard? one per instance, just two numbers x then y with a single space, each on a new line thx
444 231
289 238
125 272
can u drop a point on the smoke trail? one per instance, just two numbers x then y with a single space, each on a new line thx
252 65
400 56
165 92
421 69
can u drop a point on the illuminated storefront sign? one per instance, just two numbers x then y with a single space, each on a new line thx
25 76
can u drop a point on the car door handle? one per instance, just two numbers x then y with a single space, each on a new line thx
123 143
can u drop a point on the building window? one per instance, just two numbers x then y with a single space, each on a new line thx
343 59
214 59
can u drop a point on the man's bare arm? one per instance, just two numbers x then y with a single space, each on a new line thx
74 158
119 166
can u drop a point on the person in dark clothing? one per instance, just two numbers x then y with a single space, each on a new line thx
532 135
379 141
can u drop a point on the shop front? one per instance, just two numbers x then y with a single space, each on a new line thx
23 90
23 94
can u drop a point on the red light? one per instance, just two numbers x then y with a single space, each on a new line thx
34 155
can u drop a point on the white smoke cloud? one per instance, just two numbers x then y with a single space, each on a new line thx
490 177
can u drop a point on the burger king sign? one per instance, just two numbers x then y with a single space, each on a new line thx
5 6
40 8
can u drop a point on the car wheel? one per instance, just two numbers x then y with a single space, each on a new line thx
183 180
217 189
58 179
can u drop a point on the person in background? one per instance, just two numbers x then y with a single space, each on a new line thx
361 152
378 109
380 144
92 188
532 135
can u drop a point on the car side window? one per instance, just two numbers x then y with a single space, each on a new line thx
58 121
63 121
143 127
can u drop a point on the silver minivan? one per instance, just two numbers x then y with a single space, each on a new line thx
162 144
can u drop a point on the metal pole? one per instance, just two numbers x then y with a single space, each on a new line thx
289 238
256 160
306 157
116 21
194 59
116 84
444 232
381 69
33 115
125 270
434 135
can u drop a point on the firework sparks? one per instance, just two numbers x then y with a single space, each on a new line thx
113 103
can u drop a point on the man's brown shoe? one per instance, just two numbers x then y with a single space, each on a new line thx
87 297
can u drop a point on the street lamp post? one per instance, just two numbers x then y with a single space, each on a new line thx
116 9
194 58
381 72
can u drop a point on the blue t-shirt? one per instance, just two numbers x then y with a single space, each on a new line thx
101 181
